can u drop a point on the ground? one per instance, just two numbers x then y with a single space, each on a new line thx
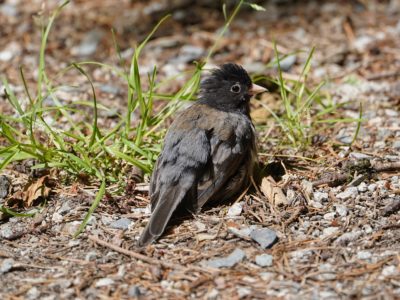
335 238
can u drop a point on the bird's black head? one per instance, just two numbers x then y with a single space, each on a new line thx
228 88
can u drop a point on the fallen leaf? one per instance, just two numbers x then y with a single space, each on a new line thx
32 191
273 192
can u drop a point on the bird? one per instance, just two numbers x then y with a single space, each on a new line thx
209 150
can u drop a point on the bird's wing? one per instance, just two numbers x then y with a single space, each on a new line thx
184 157
226 161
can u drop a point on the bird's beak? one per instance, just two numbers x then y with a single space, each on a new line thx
256 89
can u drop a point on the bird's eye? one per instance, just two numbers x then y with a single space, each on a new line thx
235 88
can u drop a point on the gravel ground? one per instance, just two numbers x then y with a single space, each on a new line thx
333 238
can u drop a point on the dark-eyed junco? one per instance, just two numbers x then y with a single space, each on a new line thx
209 151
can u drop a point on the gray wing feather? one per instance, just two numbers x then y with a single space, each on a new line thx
176 173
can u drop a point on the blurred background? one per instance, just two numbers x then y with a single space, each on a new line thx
345 33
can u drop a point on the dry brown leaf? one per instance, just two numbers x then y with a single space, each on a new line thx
33 190
273 192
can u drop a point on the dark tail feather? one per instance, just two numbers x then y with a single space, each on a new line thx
162 213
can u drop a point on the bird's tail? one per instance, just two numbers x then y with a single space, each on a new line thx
166 205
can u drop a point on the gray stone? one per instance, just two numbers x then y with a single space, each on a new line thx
122 223
243 232
134 291
389 271
104 282
264 236
235 210
33 293
91 256
329 216
288 62
344 137
372 187
350 192
89 44
364 255
348 237
65 208
361 43
264 260
110 89
4 186
12 50
320 196
6 231
229 261
329 231
358 155
187 54
362 187
243 292
316 204
341 210
9 9
6 265
396 144
255 67
326 272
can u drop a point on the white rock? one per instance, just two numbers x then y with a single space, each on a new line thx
329 216
57 218
390 271
320 196
104 282
329 231
362 187
243 292
364 255
264 260
372 187
361 43
341 210
350 192
235 210
316 204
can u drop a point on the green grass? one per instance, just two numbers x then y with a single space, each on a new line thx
305 108
84 150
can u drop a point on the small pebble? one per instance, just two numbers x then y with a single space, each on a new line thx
264 236
358 155
264 260
316 204
348 237
104 282
329 231
235 210
350 192
134 291
243 292
341 210
329 216
362 187
390 271
4 186
122 223
229 261
364 255
6 265
372 187
320 196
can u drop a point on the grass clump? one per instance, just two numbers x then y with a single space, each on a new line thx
305 108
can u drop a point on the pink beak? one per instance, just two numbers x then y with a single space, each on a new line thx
256 89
